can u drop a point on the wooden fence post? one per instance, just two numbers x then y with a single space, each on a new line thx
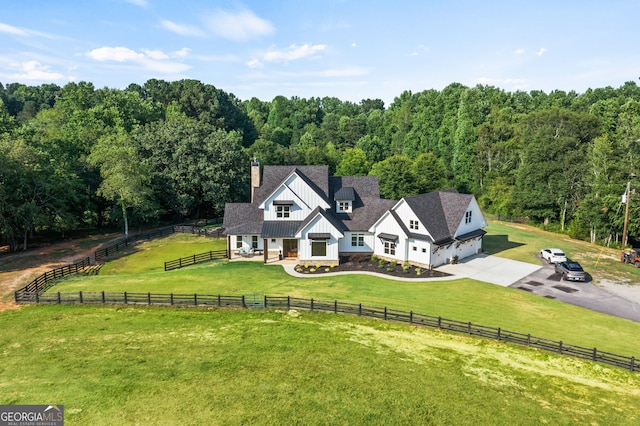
103 297
560 347
219 303
335 306
633 363
265 301
410 317
385 313
149 298
80 294
195 299
244 305
312 304
288 303
59 301
440 322
171 299
469 327
37 297
360 309
595 351
125 298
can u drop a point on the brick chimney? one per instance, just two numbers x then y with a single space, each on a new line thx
255 176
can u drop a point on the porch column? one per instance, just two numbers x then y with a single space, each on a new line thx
266 250
228 246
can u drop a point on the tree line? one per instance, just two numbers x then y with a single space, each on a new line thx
79 157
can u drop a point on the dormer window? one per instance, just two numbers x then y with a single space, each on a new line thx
344 206
413 224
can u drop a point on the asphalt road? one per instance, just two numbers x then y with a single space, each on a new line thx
545 282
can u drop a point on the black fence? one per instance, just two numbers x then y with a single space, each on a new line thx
194 259
287 302
132 240
49 278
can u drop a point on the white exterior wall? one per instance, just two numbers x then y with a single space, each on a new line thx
388 225
321 226
477 220
274 247
304 200
346 247
406 214
246 242
422 252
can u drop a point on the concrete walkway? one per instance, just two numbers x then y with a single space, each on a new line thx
482 267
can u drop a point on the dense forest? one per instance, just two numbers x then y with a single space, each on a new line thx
77 157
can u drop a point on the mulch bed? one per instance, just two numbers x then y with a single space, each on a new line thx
364 263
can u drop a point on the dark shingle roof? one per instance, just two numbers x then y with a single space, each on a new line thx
366 212
440 212
242 218
272 176
364 186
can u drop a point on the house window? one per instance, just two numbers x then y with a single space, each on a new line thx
283 211
390 248
319 248
254 241
357 240
413 224
467 217
344 206
424 250
238 241
273 240
415 248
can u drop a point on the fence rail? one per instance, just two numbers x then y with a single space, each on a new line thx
194 259
49 278
132 240
336 307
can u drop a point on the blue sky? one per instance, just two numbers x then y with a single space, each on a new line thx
348 49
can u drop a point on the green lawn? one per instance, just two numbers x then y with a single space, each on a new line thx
465 299
125 365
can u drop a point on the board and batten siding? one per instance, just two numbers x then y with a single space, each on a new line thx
346 247
304 198
319 225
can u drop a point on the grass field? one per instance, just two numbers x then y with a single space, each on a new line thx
126 365
117 365
465 299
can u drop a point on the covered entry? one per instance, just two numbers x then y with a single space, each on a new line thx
290 248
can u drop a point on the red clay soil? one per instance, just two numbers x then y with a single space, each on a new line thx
18 269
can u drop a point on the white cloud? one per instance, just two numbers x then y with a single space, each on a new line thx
519 51
182 53
118 54
420 49
153 60
10 29
294 52
34 70
354 44
241 25
254 63
22 32
139 3
541 51
183 30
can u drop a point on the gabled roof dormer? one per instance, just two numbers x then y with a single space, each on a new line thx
293 199
344 198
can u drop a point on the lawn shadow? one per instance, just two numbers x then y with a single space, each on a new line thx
492 244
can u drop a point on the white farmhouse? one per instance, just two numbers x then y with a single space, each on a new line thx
302 213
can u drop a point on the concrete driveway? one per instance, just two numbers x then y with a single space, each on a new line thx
543 281
491 269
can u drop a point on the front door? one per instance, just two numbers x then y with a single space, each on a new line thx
290 248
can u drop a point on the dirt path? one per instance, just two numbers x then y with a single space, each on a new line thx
18 269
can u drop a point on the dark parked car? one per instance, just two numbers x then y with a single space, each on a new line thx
571 271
